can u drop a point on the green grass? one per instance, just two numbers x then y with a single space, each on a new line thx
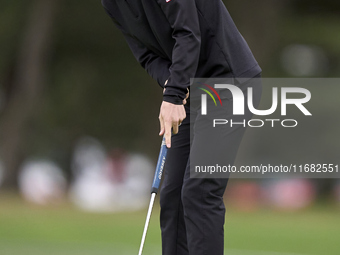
27 229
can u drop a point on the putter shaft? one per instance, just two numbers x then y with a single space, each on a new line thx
153 195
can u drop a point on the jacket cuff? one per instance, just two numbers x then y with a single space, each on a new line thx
174 95
173 100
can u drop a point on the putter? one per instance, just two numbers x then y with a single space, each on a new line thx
154 190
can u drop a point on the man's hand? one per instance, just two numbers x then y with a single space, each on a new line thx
170 116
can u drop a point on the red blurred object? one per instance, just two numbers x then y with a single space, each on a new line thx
117 163
245 196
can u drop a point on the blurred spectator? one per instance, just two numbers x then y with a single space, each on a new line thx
245 195
42 182
282 194
304 60
291 194
109 183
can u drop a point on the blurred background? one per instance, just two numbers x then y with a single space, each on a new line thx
79 133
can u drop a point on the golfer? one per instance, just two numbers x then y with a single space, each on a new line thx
175 40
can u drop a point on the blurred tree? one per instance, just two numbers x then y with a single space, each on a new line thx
26 86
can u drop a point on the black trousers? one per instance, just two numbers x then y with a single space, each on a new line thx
192 210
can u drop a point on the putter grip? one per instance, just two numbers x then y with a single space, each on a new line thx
159 168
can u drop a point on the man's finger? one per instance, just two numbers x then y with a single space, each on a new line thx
187 95
167 134
175 128
161 124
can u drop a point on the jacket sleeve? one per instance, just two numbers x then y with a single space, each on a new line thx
157 67
183 18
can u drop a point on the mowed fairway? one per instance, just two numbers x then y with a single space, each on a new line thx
63 230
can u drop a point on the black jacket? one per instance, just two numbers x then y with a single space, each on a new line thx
176 40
